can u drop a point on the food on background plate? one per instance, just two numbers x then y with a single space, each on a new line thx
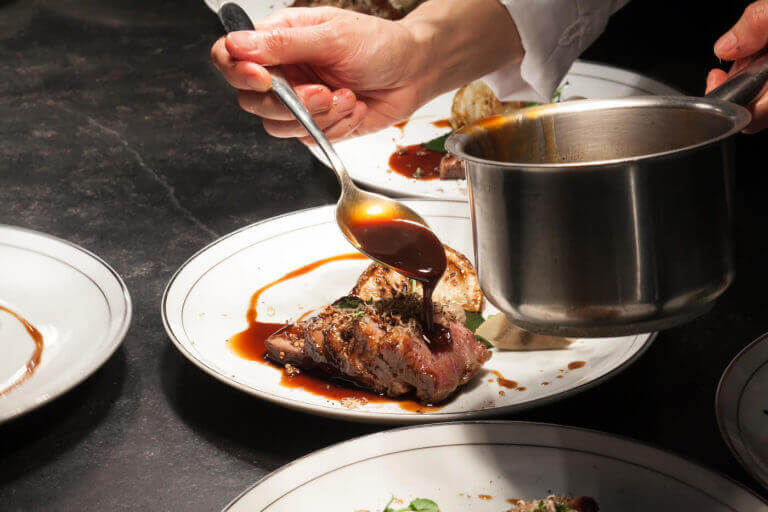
554 503
551 503
429 160
378 341
388 9
504 335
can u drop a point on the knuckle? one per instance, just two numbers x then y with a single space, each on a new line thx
277 40
756 14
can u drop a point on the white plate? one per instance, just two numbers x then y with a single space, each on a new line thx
77 301
456 462
742 408
367 157
205 303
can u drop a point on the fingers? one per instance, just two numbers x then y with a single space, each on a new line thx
317 98
759 116
340 106
314 44
240 74
715 78
748 36
345 127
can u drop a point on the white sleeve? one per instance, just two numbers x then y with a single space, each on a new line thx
554 33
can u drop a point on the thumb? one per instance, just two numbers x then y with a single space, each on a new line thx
284 45
748 36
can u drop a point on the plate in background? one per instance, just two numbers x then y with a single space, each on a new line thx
742 408
206 300
77 302
455 464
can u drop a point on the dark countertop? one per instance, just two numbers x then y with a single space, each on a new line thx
116 133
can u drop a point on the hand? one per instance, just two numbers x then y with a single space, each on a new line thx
740 44
357 74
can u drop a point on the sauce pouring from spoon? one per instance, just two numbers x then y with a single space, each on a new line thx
383 229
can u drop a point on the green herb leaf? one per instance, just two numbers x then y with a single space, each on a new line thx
540 508
531 104
387 507
437 144
558 95
562 508
424 505
484 341
347 303
418 173
473 320
358 314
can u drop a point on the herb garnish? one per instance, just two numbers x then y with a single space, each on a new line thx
418 173
418 505
473 320
437 144
348 303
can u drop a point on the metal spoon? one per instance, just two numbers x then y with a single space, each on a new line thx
354 204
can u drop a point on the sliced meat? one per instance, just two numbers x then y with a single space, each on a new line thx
380 345
458 289
451 168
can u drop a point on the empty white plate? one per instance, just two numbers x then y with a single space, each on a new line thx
206 301
479 466
742 408
71 297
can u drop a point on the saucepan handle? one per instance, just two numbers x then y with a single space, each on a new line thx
746 84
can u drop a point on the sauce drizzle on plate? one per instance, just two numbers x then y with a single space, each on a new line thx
34 359
249 344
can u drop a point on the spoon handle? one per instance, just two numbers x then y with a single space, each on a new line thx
234 18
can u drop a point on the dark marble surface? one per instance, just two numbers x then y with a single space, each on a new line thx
117 134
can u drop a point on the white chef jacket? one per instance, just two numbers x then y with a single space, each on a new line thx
554 33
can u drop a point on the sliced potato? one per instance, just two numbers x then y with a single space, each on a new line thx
504 335
477 101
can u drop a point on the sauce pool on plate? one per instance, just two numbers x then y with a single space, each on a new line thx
34 359
417 162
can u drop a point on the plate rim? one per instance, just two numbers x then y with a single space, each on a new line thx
361 416
112 344
725 384
554 427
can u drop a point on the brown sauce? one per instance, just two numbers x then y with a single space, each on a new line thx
521 388
414 251
249 344
417 162
442 123
503 382
485 496
401 126
33 360
575 365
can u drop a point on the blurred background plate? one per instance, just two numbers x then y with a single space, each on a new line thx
479 466
742 408
73 298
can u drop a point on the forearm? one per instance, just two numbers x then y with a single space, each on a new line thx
458 41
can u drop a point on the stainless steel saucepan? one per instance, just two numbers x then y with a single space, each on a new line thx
607 217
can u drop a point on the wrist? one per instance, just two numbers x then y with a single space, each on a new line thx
458 41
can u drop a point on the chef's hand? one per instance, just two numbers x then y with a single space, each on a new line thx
357 74
747 38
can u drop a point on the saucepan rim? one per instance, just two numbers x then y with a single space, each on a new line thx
738 115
